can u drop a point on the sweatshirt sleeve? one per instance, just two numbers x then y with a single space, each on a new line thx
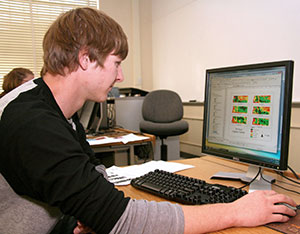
152 217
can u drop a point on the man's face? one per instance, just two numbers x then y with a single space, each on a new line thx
102 79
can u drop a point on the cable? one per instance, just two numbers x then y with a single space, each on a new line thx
259 172
295 174
280 173
293 191
289 183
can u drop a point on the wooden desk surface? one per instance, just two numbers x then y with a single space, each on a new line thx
204 168
118 132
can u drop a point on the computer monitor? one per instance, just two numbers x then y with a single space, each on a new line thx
247 118
93 116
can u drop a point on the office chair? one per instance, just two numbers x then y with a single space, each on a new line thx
162 112
20 214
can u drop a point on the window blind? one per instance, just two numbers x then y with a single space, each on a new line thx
23 24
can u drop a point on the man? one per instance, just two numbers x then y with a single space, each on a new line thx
46 156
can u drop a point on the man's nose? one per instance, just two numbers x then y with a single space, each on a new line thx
120 76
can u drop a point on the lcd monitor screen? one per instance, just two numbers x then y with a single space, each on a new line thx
247 113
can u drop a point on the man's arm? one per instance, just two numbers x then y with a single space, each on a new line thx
254 209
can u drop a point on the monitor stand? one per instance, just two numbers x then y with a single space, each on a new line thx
258 184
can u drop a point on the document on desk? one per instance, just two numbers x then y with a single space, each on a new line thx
123 175
124 139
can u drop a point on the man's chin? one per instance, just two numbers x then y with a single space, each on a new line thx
100 99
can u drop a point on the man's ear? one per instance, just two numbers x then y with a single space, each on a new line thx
84 59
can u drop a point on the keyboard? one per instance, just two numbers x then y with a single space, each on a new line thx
185 190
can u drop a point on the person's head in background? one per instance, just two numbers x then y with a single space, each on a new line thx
14 78
81 30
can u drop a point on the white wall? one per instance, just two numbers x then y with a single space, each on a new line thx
126 13
190 36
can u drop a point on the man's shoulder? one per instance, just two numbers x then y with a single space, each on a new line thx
12 95
30 111
28 101
25 106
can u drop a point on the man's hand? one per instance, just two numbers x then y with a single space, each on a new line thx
260 207
254 209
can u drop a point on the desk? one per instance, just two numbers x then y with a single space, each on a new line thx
205 167
119 146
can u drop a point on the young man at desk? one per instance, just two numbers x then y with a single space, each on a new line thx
44 153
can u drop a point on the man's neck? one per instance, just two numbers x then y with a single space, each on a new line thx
66 92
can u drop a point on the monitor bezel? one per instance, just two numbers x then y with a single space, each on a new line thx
283 163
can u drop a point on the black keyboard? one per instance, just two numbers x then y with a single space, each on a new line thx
185 190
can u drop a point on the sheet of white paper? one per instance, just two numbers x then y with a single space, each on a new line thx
102 140
123 175
132 137
124 139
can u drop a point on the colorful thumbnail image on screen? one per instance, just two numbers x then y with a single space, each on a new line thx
262 99
240 109
261 110
239 120
240 99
